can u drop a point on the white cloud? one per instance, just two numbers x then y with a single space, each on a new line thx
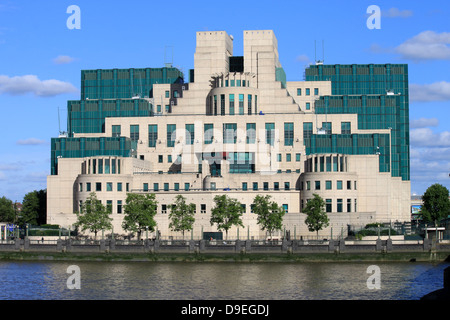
437 91
396 13
427 45
425 137
63 60
423 122
20 85
30 141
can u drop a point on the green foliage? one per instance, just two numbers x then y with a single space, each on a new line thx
436 205
316 217
226 213
182 215
269 213
30 209
93 215
7 213
140 210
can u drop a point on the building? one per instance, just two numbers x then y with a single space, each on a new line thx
238 127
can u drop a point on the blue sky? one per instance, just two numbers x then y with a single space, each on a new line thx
41 59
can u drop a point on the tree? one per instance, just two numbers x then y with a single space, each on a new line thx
93 216
34 208
7 212
30 209
269 213
226 213
182 215
436 205
316 217
140 211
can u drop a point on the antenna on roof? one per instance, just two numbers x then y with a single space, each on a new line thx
62 134
315 53
166 63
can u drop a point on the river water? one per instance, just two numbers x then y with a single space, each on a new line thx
48 280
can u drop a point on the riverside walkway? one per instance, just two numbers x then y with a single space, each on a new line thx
247 247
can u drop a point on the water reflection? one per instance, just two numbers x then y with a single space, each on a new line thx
218 281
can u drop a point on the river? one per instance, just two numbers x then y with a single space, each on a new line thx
51 280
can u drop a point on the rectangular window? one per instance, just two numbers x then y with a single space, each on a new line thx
158 108
119 206
145 187
119 186
255 186
349 185
297 157
251 133
307 92
339 184
288 133
356 206
222 104
308 106
186 186
317 185
278 157
349 205
307 130
299 91
171 135
166 186
190 134
100 166
113 166
288 157
287 186
276 186
109 206
339 205
155 186
109 186
98 186
167 94
328 160
231 102
152 135
116 131
160 158
134 132
308 185
286 208
107 166
328 184
328 205
270 133
327 127
208 133
88 187
249 109
316 91
229 132
266 186
346 127
163 208
241 104
81 187
202 208
244 186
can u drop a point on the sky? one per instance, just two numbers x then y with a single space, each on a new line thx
42 55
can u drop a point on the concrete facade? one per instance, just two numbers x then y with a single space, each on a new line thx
230 112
